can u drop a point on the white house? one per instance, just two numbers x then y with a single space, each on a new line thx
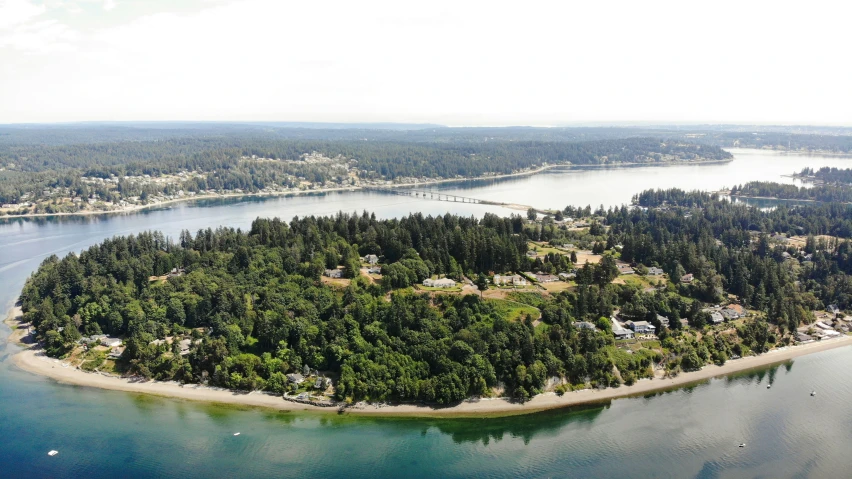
654 271
110 342
439 283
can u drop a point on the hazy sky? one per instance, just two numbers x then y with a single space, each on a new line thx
452 62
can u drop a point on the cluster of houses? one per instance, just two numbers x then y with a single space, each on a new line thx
829 324
439 283
183 344
321 383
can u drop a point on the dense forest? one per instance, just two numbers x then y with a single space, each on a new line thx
256 309
828 175
766 189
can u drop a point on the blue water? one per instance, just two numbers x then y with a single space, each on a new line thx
689 432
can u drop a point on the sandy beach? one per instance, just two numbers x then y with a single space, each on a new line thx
34 361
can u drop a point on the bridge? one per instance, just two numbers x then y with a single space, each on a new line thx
435 195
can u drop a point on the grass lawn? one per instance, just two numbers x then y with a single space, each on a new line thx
541 249
558 286
511 310
456 289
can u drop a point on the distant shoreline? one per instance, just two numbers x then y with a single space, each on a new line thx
33 360
137 208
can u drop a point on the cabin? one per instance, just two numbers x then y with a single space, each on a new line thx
439 283
333 273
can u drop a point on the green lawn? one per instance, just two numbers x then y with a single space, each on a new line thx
513 311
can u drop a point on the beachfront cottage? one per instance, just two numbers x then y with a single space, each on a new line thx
439 283
296 378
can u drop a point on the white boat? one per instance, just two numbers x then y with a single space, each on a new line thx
813 393
52 453
742 445
768 386
236 434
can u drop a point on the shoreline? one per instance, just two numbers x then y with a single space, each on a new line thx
137 208
34 361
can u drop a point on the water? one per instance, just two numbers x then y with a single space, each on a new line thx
691 432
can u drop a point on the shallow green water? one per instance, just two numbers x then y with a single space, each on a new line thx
690 432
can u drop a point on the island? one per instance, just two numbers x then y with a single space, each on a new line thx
446 314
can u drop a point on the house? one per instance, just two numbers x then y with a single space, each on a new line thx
684 323
334 273
642 327
716 317
729 314
175 272
545 278
375 270
687 278
439 283
785 255
822 325
808 257
619 331
296 378
568 246
321 383
110 342
585 325
663 320
371 259
833 309
654 271
184 346
567 276
804 338
737 309
514 280
115 353
624 268
532 254
780 238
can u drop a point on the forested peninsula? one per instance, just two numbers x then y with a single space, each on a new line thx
440 309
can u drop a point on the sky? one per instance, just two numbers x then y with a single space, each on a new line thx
452 62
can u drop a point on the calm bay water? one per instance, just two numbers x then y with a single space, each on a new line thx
690 432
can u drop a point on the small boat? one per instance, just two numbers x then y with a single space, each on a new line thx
768 386
813 393
236 434
742 445
52 453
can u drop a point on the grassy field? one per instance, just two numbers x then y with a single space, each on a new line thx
511 310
